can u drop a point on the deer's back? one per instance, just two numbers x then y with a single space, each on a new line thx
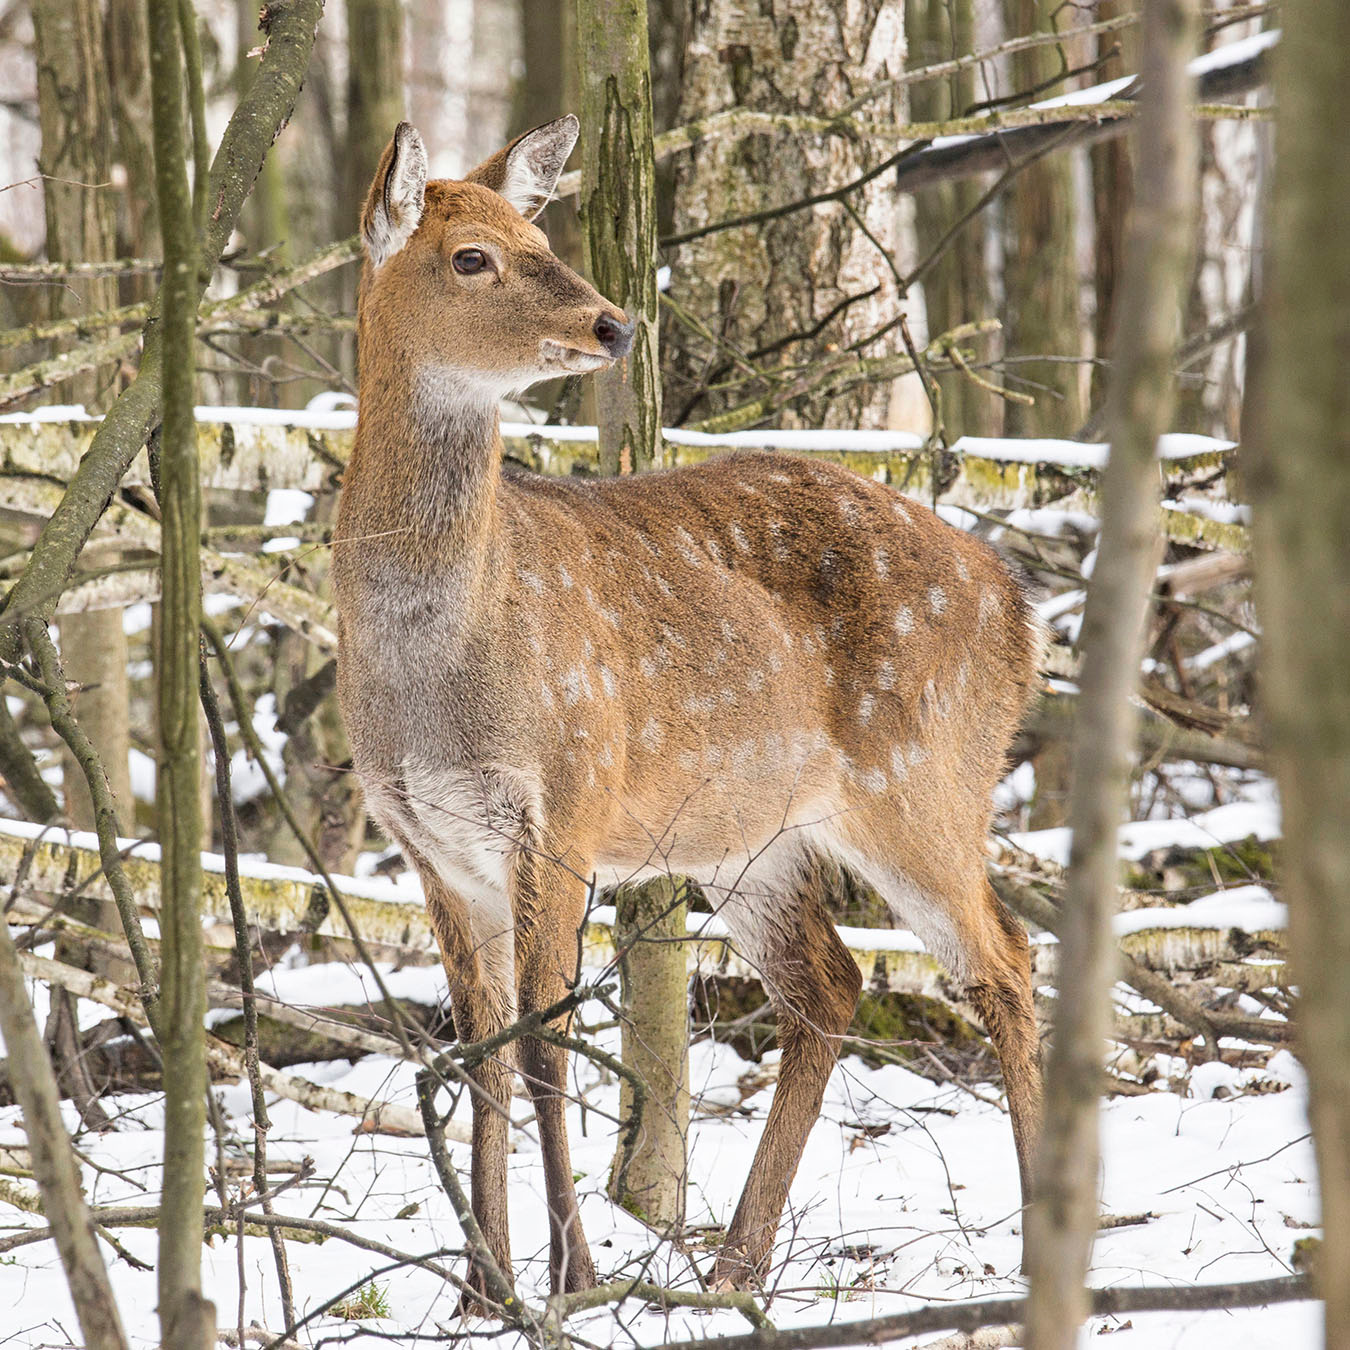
717 642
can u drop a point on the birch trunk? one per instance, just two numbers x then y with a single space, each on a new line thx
751 287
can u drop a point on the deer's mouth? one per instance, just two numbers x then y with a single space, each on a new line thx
571 360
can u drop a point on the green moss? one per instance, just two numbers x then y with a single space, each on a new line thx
890 1019
733 1010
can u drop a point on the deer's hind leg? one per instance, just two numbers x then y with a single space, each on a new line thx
999 985
813 984
949 903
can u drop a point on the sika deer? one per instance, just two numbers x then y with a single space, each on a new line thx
759 662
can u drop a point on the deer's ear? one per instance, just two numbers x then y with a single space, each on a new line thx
527 170
394 204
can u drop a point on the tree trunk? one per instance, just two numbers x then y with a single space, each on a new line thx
648 1179
1040 271
747 288
77 153
187 1320
54 1165
1112 188
75 112
1063 1221
1233 173
619 215
496 50
375 90
957 289
1301 480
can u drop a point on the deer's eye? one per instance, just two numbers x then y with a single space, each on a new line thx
467 261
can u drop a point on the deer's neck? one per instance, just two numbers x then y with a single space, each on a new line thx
419 519
419 503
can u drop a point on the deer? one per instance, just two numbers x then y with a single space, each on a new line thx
733 671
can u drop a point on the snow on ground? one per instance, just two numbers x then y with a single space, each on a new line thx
907 1193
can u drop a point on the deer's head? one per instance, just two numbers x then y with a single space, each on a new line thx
462 288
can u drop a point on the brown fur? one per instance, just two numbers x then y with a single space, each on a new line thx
729 670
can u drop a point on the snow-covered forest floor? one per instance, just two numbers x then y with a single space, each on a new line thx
907 1193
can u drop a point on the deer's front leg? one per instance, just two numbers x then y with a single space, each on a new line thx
482 997
546 959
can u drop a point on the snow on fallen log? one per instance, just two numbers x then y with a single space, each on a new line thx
261 449
1209 829
292 900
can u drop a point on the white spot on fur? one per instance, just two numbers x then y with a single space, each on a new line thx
712 756
780 478
651 736
829 675
608 680
738 538
564 575
742 757
898 507
899 766
866 707
647 666
778 547
848 508
574 683
687 760
546 694
962 570
937 599
775 662
754 682
714 549
882 560
688 548
874 780
904 621
530 579
605 759
886 675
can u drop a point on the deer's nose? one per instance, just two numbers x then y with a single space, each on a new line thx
615 336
